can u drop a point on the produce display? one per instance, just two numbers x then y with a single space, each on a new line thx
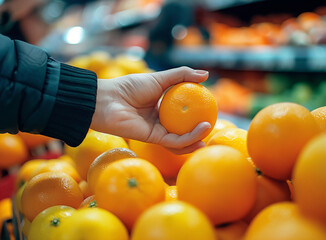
275 30
243 185
256 90
264 182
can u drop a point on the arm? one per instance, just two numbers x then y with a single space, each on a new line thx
41 95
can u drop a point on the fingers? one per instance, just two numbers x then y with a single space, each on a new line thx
188 141
177 75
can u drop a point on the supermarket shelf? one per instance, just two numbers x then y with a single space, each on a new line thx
282 59
219 5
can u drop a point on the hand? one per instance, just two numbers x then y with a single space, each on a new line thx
128 107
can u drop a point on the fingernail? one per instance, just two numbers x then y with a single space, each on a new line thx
207 125
201 72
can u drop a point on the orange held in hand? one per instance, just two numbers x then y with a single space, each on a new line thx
276 136
186 105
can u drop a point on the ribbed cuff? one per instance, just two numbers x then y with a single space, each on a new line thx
74 107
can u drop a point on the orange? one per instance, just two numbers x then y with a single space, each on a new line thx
94 144
220 124
26 171
18 198
269 191
33 140
291 188
309 179
70 151
47 190
5 210
80 62
283 221
46 223
68 159
320 116
232 231
220 182
103 160
173 220
90 224
233 137
89 202
185 105
85 189
309 20
130 64
171 193
12 150
129 186
276 136
111 71
98 60
26 226
57 165
167 162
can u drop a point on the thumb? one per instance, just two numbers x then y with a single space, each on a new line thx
177 75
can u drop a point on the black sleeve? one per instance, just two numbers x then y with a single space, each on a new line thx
40 95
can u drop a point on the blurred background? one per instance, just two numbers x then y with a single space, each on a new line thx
258 52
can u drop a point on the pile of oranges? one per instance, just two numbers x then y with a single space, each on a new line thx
265 183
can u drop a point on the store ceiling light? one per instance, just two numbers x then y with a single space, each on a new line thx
179 32
74 35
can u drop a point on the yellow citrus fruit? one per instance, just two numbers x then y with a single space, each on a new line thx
18 198
185 105
49 189
46 223
94 144
219 125
233 137
283 221
27 171
232 231
111 71
277 135
5 210
91 224
130 64
85 189
320 116
12 150
220 182
173 220
57 165
166 162
171 193
26 226
80 62
102 161
309 179
128 187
